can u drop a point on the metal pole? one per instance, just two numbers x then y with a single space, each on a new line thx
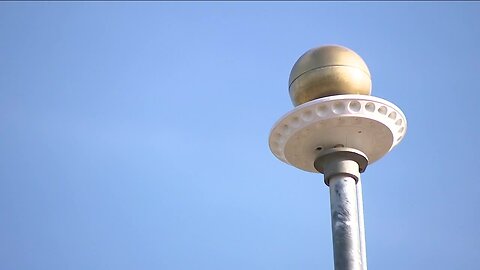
361 224
337 148
345 225
341 168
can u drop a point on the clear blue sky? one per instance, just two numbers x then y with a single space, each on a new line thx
135 135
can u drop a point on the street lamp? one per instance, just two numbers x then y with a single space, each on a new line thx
337 129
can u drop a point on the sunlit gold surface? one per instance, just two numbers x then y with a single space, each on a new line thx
327 71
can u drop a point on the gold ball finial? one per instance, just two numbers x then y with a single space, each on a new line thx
327 71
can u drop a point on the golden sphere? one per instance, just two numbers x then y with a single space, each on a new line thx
327 71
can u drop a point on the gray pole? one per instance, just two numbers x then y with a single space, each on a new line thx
341 168
345 231
332 127
361 223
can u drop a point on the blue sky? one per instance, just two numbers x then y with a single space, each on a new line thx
135 135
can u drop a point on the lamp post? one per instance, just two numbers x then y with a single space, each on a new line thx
337 129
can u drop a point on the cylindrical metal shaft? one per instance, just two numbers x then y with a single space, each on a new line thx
341 168
361 224
345 225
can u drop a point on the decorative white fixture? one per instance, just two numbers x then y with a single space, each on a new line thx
369 124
